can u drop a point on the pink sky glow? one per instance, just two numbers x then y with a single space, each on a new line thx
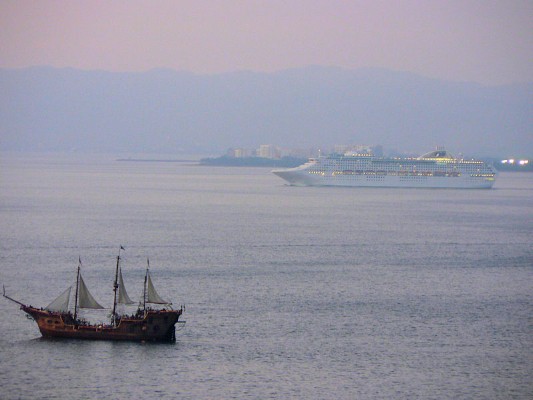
486 41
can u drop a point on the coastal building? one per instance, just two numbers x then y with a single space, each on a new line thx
268 151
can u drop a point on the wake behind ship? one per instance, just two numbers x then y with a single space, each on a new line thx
436 169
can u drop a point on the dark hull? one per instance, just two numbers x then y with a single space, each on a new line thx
152 326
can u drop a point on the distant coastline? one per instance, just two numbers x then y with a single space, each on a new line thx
156 160
290 162
513 168
225 161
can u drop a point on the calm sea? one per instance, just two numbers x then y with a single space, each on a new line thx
304 293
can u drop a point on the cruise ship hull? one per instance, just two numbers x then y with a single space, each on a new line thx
437 169
299 177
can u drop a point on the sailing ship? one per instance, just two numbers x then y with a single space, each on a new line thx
147 324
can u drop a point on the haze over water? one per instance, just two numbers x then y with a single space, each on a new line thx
316 293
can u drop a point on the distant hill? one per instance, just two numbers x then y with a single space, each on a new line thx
165 111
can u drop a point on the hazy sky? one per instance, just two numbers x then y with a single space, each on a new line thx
475 40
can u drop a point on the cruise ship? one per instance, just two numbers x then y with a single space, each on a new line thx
436 169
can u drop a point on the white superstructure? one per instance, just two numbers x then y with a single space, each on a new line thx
436 169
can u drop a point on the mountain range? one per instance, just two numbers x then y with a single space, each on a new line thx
171 112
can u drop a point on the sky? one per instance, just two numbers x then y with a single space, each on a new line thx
485 41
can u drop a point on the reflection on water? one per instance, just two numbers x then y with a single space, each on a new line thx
290 292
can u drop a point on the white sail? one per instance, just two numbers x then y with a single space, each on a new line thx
123 297
85 299
60 304
152 295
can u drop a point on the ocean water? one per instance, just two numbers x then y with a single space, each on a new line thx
303 293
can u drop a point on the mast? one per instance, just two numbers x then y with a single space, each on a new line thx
77 287
115 287
145 279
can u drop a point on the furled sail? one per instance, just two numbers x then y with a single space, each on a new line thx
152 295
85 298
60 304
123 297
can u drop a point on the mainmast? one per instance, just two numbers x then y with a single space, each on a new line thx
145 281
77 286
115 287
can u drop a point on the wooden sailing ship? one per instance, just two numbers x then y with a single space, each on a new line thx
147 324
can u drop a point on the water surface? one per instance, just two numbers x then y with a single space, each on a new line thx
317 293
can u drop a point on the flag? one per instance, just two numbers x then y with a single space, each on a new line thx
122 248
